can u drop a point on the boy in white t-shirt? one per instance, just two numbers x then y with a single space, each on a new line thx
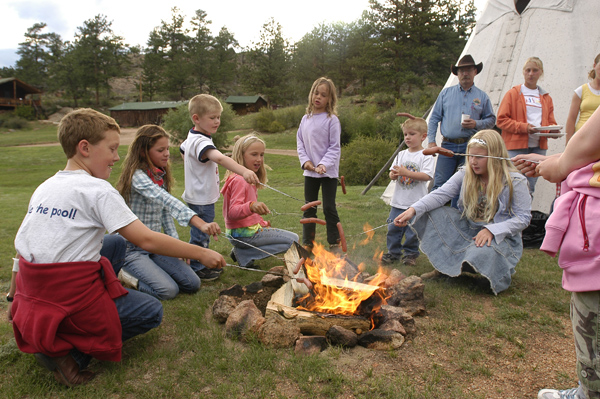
66 303
411 170
200 162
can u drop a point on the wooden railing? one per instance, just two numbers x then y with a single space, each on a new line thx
11 102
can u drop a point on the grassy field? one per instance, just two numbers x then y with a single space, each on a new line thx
470 344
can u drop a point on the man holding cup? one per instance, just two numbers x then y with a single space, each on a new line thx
460 111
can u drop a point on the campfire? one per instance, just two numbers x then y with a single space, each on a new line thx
323 300
337 286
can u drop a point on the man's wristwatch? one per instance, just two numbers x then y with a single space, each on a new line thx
9 298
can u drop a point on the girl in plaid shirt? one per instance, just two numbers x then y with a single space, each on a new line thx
145 183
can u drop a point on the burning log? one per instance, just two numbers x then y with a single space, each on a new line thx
310 323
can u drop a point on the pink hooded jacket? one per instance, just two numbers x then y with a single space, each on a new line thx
573 228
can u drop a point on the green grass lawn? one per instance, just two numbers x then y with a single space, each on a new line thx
469 345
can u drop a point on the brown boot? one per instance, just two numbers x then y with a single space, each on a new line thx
65 368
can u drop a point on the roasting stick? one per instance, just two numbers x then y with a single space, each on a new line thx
303 280
228 236
449 153
287 195
280 192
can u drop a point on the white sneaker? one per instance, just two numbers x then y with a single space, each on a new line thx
127 280
573 393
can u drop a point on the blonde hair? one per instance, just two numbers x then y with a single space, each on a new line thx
537 62
498 176
240 147
331 107
202 104
138 157
84 124
418 124
592 73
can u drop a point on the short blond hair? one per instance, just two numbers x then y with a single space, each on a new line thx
84 124
417 124
202 104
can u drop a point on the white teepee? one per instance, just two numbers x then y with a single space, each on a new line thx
564 34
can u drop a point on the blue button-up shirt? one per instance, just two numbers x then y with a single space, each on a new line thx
454 101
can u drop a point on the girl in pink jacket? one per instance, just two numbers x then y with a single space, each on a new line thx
242 211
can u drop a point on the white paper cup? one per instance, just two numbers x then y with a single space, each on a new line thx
464 117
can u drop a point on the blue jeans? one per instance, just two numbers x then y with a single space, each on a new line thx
394 238
447 166
160 276
273 241
530 150
197 237
139 312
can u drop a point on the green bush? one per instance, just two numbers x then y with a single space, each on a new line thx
178 123
11 121
26 112
364 157
270 121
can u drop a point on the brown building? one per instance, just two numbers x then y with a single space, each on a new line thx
244 104
144 113
14 93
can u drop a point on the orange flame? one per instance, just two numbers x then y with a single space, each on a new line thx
368 230
334 291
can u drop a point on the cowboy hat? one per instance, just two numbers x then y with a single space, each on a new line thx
466 61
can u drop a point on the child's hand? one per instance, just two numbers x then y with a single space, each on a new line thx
321 169
522 163
484 236
211 229
550 170
401 170
260 208
404 217
308 165
250 177
394 173
212 259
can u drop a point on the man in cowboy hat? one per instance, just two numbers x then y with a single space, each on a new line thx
460 111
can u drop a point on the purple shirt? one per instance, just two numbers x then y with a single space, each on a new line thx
318 141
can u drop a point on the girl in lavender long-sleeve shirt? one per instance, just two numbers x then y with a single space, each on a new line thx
319 150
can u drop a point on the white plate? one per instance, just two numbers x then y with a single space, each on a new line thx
549 135
553 127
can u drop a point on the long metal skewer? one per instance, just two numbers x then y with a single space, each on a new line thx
228 236
489 156
280 192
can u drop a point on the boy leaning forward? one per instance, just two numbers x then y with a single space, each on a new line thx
67 303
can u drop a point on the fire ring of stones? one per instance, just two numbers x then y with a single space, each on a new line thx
266 310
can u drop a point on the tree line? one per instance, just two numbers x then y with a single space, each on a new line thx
395 46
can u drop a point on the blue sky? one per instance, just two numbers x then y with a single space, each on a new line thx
241 17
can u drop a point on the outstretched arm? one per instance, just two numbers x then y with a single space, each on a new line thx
161 244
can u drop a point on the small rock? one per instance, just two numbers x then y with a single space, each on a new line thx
381 340
278 333
245 320
308 345
340 336
223 306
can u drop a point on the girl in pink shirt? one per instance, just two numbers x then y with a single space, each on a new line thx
242 211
